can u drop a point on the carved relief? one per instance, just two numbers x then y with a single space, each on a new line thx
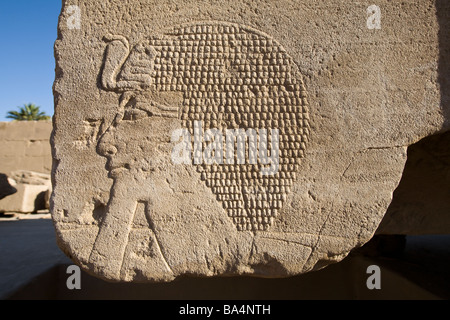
230 77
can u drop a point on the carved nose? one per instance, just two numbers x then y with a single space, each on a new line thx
105 146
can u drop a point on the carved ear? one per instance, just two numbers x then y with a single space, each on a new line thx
116 53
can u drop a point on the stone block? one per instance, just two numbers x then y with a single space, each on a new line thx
27 199
36 164
34 148
42 131
30 177
8 164
25 145
259 138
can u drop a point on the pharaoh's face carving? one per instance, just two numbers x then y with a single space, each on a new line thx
141 153
229 77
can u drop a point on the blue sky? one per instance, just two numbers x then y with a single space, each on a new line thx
28 31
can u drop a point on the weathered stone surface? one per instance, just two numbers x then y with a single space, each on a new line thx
346 100
27 199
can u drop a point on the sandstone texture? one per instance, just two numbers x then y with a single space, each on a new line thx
149 182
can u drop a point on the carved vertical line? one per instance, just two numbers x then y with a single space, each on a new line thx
158 243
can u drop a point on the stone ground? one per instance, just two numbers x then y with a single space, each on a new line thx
33 267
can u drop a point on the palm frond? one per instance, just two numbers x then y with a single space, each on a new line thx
29 112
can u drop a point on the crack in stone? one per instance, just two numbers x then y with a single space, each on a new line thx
313 249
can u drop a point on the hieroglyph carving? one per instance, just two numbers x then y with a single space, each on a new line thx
233 79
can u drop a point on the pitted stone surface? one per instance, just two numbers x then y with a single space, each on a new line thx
294 120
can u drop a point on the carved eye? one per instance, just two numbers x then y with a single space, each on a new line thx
135 114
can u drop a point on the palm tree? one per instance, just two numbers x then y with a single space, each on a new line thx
28 112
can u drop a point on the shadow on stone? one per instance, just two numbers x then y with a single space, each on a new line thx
421 202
